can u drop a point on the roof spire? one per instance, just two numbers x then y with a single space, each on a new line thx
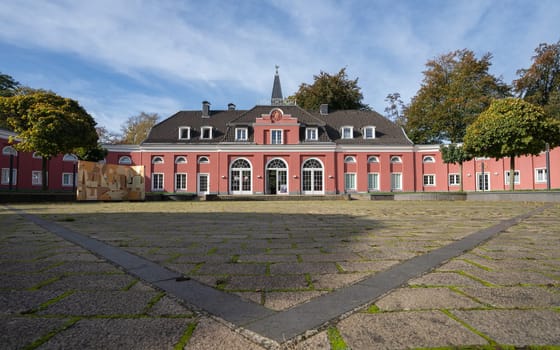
277 98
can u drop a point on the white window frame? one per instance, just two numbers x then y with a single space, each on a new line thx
6 176
394 185
311 134
203 160
368 129
183 185
68 179
350 183
125 160
36 155
454 179
429 180
204 129
373 185
36 177
347 132
516 177
241 134
180 160
350 159
429 159
396 159
373 159
158 188
274 137
541 175
157 160
182 130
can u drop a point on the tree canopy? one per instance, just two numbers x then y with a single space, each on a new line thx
456 88
49 125
136 128
455 154
8 86
336 90
511 127
395 109
540 83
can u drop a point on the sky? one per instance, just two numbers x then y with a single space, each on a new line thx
118 58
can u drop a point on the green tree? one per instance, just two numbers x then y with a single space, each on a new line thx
455 154
395 109
511 128
8 86
456 88
540 83
136 128
336 90
49 125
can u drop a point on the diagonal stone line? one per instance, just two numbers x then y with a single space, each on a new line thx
283 325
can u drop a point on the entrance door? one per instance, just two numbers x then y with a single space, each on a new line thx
277 177
312 177
203 184
483 181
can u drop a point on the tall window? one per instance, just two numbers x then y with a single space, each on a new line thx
350 182
6 176
240 176
429 180
396 181
240 134
36 177
516 177
454 179
311 134
180 182
373 181
157 182
540 175
68 179
312 177
276 137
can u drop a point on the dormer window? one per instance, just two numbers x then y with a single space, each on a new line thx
368 132
206 133
184 133
347 132
311 134
157 160
241 134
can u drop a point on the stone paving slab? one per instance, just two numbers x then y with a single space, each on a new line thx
22 301
515 297
18 332
425 299
91 282
212 335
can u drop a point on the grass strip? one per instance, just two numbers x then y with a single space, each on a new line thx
44 283
182 343
469 327
480 266
37 343
335 339
479 280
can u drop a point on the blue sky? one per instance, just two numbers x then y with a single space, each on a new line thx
121 57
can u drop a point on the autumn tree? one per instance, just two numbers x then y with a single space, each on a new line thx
455 154
540 83
49 125
108 137
136 128
511 128
456 88
395 109
336 90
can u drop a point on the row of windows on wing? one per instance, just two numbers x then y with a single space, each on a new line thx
126 160
242 134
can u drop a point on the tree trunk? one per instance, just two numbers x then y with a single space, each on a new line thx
45 174
512 173
461 176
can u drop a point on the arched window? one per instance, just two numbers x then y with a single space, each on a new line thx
69 158
36 155
240 176
373 159
180 160
125 160
429 159
203 160
157 160
312 177
277 177
349 159
9 151
396 159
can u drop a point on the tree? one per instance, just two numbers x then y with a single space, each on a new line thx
108 137
455 154
456 88
8 86
540 83
394 111
136 128
336 90
49 125
511 127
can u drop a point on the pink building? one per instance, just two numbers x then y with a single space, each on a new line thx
284 150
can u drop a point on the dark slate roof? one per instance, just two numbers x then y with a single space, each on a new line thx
386 132
328 126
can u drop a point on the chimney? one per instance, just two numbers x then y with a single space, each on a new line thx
231 106
324 109
205 109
